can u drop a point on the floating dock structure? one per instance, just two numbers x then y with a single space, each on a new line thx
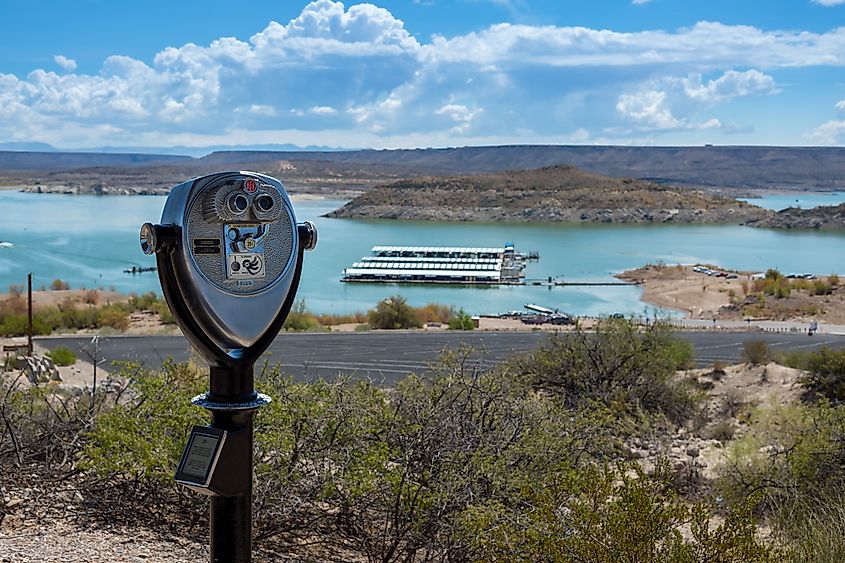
441 264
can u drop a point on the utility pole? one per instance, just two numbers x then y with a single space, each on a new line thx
92 350
29 313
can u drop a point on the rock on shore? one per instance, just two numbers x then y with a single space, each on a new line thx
94 190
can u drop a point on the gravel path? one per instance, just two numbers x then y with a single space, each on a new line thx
63 543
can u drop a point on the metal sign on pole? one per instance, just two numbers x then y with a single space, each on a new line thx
229 253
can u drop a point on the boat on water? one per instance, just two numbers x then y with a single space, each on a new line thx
6 244
441 264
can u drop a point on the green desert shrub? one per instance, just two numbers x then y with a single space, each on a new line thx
619 367
610 514
143 302
113 316
77 318
461 321
775 284
143 437
792 458
755 352
825 377
164 314
299 319
821 288
393 313
813 529
62 356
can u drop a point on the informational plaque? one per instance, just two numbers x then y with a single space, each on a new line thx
200 455
200 458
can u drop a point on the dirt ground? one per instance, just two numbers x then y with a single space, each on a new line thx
52 298
706 297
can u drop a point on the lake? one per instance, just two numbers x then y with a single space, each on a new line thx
88 241
804 200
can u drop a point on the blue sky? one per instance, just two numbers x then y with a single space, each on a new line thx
416 73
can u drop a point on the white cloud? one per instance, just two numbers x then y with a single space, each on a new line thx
461 115
648 107
64 62
841 105
322 110
732 84
828 2
830 133
671 102
358 70
639 2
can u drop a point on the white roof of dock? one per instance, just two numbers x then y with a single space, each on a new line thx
353 271
399 264
449 249
431 259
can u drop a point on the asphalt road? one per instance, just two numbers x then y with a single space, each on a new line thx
386 357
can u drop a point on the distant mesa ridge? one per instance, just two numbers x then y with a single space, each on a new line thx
21 161
707 166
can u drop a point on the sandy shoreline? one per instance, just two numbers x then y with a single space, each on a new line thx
700 296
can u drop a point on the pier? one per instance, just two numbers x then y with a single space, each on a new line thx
455 265
441 265
561 283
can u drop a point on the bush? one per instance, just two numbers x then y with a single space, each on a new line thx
833 280
143 302
82 318
58 285
821 288
723 431
41 433
619 367
164 314
825 378
792 457
814 529
610 514
62 356
393 313
435 313
299 319
460 465
113 316
773 284
461 321
755 352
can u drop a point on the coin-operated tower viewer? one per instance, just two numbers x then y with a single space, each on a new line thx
229 253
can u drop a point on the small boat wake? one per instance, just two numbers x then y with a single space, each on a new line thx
5 244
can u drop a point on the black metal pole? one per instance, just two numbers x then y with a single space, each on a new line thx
29 313
231 516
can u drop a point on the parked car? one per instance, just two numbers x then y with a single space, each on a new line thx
534 319
560 320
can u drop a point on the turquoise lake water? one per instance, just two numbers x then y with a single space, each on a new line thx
89 241
803 200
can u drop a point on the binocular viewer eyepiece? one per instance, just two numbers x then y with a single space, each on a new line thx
229 254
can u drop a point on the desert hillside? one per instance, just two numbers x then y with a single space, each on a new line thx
555 193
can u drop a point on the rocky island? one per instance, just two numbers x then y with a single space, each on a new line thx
823 217
553 194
